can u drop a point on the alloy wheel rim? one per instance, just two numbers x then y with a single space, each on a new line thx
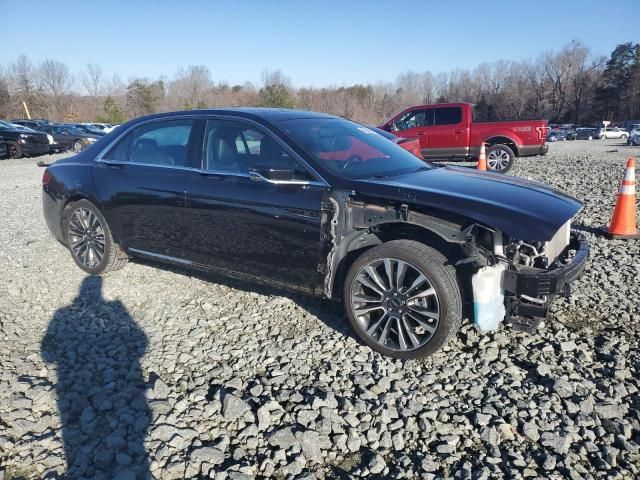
86 237
395 304
13 151
77 147
498 160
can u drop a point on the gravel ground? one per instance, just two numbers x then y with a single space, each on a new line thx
155 372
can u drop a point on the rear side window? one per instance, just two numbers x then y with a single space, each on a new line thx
161 143
120 152
448 115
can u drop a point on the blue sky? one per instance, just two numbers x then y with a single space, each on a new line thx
323 42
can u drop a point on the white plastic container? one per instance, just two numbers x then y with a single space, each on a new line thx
488 297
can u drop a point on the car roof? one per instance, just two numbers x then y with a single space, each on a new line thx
255 113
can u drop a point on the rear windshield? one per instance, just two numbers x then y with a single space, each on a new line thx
350 150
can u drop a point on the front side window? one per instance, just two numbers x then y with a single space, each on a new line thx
415 118
236 148
448 116
350 150
161 143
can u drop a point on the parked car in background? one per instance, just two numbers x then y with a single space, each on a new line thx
89 129
20 142
634 132
410 144
570 134
448 132
33 124
105 127
67 137
392 237
605 134
585 133
556 136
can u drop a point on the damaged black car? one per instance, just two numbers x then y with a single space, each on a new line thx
319 204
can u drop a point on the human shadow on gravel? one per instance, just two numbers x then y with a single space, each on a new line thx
332 314
96 347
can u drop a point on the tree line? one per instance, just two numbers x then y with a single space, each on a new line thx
571 85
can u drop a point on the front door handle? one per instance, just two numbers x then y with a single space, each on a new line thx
421 133
459 131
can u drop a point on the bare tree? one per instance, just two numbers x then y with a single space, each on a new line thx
56 80
92 80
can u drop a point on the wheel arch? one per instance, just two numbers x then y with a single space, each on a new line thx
367 239
75 197
503 140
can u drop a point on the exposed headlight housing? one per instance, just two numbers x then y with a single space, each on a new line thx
24 135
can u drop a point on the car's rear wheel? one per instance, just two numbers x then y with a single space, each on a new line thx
90 241
14 150
500 158
402 299
77 146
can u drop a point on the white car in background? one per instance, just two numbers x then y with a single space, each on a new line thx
613 133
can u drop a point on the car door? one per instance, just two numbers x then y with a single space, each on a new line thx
246 223
415 124
449 135
141 181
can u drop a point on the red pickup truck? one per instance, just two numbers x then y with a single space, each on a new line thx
447 132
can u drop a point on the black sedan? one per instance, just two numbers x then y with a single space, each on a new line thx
312 202
21 141
68 137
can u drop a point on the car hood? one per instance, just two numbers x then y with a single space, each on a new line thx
522 209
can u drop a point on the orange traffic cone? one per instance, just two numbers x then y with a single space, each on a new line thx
623 222
482 158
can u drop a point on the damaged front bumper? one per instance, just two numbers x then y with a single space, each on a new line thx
529 291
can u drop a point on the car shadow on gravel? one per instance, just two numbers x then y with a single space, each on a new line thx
330 313
96 348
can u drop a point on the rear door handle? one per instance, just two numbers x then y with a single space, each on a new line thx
421 133
459 131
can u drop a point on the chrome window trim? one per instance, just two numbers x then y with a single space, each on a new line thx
318 178
319 181
314 183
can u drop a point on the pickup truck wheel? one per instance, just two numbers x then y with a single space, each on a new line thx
500 158
402 299
14 150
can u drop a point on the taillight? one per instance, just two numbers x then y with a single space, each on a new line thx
46 178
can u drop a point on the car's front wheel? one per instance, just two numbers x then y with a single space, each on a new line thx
14 150
77 146
402 299
500 158
90 241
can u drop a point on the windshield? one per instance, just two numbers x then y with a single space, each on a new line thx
351 150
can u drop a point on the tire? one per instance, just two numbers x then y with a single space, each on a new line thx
78 220
445 301
623 137
14 150
501 157
77 146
